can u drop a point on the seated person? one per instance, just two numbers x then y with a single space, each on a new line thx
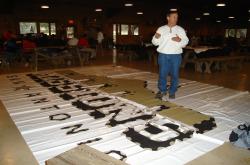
42 40
84 45
28 47
55 41
73 41
83 42
11 50
1 44
7 35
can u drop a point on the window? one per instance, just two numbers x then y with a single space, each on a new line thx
52 28
44 28
134 30
241 33
124 29
70 32
114 33
118 29
31 27
231 32
236 33
27 27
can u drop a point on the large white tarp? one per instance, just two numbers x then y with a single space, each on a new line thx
52 125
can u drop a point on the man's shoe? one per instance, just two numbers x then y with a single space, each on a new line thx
172 96
160 95
164 98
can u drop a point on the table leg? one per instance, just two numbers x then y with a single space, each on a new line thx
198 67
224 66
79 56
183 64
36 61
208 67
217 65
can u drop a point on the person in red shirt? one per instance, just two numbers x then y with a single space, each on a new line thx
7 35
83 42
28 47
84 46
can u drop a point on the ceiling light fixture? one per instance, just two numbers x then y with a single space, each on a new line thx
98 10
220 4
139 13
197 18
206 13
44 6
128 4
173 9
231 17
218 21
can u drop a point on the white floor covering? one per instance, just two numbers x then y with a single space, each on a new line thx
46 138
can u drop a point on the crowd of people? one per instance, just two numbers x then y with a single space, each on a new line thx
15 47
18 47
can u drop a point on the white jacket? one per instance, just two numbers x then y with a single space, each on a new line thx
100 37
165 43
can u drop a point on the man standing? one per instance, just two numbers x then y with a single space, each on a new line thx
100 39
170 40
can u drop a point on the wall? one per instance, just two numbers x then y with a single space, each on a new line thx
7 22
85 17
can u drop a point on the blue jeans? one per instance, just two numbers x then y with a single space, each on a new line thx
169 65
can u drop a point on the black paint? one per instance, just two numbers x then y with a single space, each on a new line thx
97 114
123 156
75 129
100 99
233 137
59 117
106 85
79 104
51 107
45 84
57 85
146 142
171 126
88 94
66 96
113 122
55 90
55 80
33 94
38 101
152 129
205 125
90 141
66 87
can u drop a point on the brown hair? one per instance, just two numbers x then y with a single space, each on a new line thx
171 12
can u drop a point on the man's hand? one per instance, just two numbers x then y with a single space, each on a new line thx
157 35
176 39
